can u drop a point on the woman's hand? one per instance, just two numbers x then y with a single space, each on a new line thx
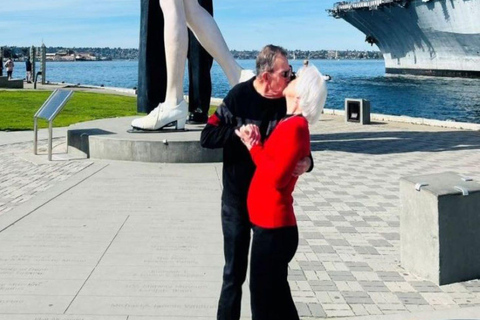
302 166
249 134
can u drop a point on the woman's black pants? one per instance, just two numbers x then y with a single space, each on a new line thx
272 250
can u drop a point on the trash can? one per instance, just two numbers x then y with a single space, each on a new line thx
357 110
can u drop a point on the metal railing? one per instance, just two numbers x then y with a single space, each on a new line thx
362 4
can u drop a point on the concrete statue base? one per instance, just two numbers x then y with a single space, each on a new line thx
109 139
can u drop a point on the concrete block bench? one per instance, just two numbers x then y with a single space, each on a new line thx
440 227
11 84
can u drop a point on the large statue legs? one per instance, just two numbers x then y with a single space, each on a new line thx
183 13
152 73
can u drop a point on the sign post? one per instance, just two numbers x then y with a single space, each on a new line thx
48 111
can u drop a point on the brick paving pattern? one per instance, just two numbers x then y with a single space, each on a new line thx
348 260
20 179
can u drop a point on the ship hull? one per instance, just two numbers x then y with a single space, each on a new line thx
434 72
436 37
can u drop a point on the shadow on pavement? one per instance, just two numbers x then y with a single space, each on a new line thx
396 141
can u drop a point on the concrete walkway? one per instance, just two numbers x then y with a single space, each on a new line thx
89 239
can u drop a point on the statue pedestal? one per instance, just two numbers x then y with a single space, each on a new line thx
109 139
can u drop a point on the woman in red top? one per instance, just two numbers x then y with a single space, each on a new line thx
270 201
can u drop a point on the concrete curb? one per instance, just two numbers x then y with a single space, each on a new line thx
413 120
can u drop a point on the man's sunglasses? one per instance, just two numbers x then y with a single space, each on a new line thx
288 74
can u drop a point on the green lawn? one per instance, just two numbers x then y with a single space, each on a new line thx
18 107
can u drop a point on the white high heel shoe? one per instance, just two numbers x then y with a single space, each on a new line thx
162 116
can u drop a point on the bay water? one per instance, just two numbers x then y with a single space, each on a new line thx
455 99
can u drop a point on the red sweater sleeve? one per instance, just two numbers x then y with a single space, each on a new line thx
288 144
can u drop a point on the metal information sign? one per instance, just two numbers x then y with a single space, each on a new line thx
48 111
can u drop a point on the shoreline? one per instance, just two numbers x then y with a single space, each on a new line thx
393 118
339 112
413 120
60 85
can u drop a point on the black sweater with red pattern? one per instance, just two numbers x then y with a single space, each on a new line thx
242 105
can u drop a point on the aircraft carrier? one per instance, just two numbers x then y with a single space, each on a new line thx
420 37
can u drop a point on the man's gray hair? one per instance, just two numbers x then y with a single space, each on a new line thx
312 90
266 58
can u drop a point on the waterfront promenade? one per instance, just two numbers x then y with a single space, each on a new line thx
94 239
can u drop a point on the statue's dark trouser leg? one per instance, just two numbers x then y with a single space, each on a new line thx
200 84
152 71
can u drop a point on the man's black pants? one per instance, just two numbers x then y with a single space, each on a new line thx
272 250
236 242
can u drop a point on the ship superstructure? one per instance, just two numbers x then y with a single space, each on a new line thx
421 37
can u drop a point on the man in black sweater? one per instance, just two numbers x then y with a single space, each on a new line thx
258 101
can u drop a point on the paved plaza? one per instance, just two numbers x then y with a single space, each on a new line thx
95 239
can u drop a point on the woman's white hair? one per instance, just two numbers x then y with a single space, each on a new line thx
312 92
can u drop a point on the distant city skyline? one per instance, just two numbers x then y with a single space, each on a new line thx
245 25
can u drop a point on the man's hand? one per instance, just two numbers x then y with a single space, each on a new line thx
249 134
302 166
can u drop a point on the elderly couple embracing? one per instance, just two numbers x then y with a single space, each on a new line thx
262 126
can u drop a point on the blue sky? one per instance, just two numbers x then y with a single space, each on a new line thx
245 24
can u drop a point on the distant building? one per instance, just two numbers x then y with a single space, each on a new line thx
60 56
85 57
